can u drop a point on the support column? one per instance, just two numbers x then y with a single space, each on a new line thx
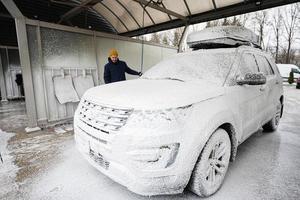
20 21
26 72
98 71
182 37
2 83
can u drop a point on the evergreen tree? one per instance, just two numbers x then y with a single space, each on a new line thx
291 78
165 40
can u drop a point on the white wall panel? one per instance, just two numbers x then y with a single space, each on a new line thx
37 75
152 55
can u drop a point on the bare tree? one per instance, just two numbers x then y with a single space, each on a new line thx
177 36
155 37
291 25
212 23
276 26
165 39
244 19
231 21
236 21
261 18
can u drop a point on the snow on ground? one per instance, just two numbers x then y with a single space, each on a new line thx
73 178
8 169
267 167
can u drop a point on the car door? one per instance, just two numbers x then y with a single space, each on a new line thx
268 90
247 97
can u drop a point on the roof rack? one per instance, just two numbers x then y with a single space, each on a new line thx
222 37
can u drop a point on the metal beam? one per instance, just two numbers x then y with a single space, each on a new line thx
181 38
214 3
187 7
90 32
3 15
9 47
112 12
26 72
145 10
236 9
2 83
12 8
164 10
128 12
78 9
163 5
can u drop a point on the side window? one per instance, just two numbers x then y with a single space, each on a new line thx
264 66
294 70
247 65
273 66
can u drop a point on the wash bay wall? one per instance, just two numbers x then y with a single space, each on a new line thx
56 50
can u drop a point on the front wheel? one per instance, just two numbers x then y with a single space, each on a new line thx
272 125
212 165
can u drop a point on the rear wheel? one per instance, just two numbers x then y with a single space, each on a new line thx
274 122
212 165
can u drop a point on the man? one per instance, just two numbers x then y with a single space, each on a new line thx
115 69
19 81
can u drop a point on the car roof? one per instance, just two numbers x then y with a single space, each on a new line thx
222 36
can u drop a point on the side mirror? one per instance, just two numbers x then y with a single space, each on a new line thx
251 79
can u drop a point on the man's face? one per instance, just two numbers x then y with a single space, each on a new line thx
114 59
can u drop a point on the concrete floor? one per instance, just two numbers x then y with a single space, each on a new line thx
48 165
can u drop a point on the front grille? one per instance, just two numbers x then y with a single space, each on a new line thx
103 118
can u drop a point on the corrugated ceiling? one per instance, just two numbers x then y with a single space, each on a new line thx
137 17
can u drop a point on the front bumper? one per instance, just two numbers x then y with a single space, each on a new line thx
114 159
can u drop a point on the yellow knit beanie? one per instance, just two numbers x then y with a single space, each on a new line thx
113 52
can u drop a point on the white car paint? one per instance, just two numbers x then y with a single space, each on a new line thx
147 134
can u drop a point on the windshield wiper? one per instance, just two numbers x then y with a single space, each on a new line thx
174 79
168 78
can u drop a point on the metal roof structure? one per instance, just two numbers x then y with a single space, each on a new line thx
130 17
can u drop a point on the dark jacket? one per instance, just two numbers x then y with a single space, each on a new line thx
114 72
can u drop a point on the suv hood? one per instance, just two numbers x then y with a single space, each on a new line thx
145 94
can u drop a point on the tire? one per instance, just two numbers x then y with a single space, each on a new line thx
272 125
211 167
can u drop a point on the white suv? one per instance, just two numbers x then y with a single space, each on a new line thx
180 123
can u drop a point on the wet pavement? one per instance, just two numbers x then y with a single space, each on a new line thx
46 164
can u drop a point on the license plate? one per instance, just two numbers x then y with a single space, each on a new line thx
98 158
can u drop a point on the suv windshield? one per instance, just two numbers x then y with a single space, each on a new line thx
208 65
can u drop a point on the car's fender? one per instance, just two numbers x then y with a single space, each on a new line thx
202 126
